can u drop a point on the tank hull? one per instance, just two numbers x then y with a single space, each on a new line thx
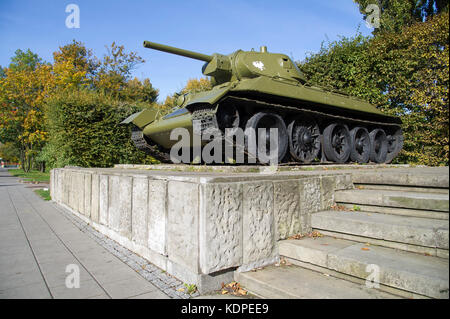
295 99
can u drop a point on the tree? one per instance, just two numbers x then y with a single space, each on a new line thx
22 91
192 86
396 14
24 61
74 66
403 73
114 76
9 152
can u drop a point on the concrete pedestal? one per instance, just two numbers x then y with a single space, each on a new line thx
199 226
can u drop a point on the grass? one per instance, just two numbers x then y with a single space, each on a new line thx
45 194
191 288
32 176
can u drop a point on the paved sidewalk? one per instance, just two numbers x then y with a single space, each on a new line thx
37 243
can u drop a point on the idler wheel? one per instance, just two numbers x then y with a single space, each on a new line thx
360 145
255 138
304 140
395 144
337 144
379 147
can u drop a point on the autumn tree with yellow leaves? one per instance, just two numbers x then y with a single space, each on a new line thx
29 84
26 83
192 86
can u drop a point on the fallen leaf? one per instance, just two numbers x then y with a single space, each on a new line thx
315 234
365 248
297 236
242 292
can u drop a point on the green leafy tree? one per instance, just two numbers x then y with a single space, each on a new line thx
114 76
24 61
403 73
9 152
396 14
2 72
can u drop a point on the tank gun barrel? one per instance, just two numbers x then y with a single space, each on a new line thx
177 51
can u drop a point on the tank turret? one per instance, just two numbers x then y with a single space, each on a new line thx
239 64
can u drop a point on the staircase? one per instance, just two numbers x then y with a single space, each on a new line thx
392 228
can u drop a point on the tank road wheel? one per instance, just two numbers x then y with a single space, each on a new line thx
379 147
304 140
361 146
395 145
267 121
337 144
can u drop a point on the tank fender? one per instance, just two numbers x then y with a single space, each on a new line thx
142 118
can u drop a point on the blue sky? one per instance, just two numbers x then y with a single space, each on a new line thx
293 27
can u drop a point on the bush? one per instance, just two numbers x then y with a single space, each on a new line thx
85 130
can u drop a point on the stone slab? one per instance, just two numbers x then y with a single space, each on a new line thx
422 275
258 222
103 199
287 209
292 282
139 216
411 200
437 177
183 219
221 227
403 229
157 216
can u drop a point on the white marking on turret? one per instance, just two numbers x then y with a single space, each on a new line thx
259 65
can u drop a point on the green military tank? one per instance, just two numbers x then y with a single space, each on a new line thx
253 90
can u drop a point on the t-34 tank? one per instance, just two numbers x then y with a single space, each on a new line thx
253 90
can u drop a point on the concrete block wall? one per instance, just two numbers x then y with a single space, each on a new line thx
196 227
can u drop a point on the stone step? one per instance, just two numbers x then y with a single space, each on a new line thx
421 235
402 188
410 200
409 274
398 211
289 282
436 177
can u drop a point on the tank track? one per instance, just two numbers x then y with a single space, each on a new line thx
205 124
137 136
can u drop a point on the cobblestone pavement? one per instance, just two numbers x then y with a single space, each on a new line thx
40 243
